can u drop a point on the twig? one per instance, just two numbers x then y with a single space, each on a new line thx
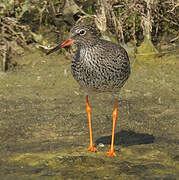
86 16
176 5
174 39
170 21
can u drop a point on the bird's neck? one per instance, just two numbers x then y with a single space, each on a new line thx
86 56
87 43
86 52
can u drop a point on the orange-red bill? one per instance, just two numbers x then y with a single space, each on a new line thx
65 43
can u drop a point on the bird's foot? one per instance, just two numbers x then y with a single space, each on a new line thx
92 148
111 153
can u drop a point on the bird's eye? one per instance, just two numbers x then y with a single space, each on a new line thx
82 32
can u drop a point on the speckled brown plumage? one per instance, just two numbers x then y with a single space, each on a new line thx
98 64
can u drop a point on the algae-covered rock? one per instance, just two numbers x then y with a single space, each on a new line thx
146 50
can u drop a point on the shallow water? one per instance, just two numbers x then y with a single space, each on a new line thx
43 123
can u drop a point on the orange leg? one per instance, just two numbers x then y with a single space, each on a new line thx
88 110
111 150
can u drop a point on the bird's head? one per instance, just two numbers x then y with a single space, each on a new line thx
80 34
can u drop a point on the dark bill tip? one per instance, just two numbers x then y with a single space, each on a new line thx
53 50
65 43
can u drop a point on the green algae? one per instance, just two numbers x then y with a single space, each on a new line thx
146 50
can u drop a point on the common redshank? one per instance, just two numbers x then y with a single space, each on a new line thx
98 65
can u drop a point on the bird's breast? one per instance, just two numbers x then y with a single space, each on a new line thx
84 68
94 71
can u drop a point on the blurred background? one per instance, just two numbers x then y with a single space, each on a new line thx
143 27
